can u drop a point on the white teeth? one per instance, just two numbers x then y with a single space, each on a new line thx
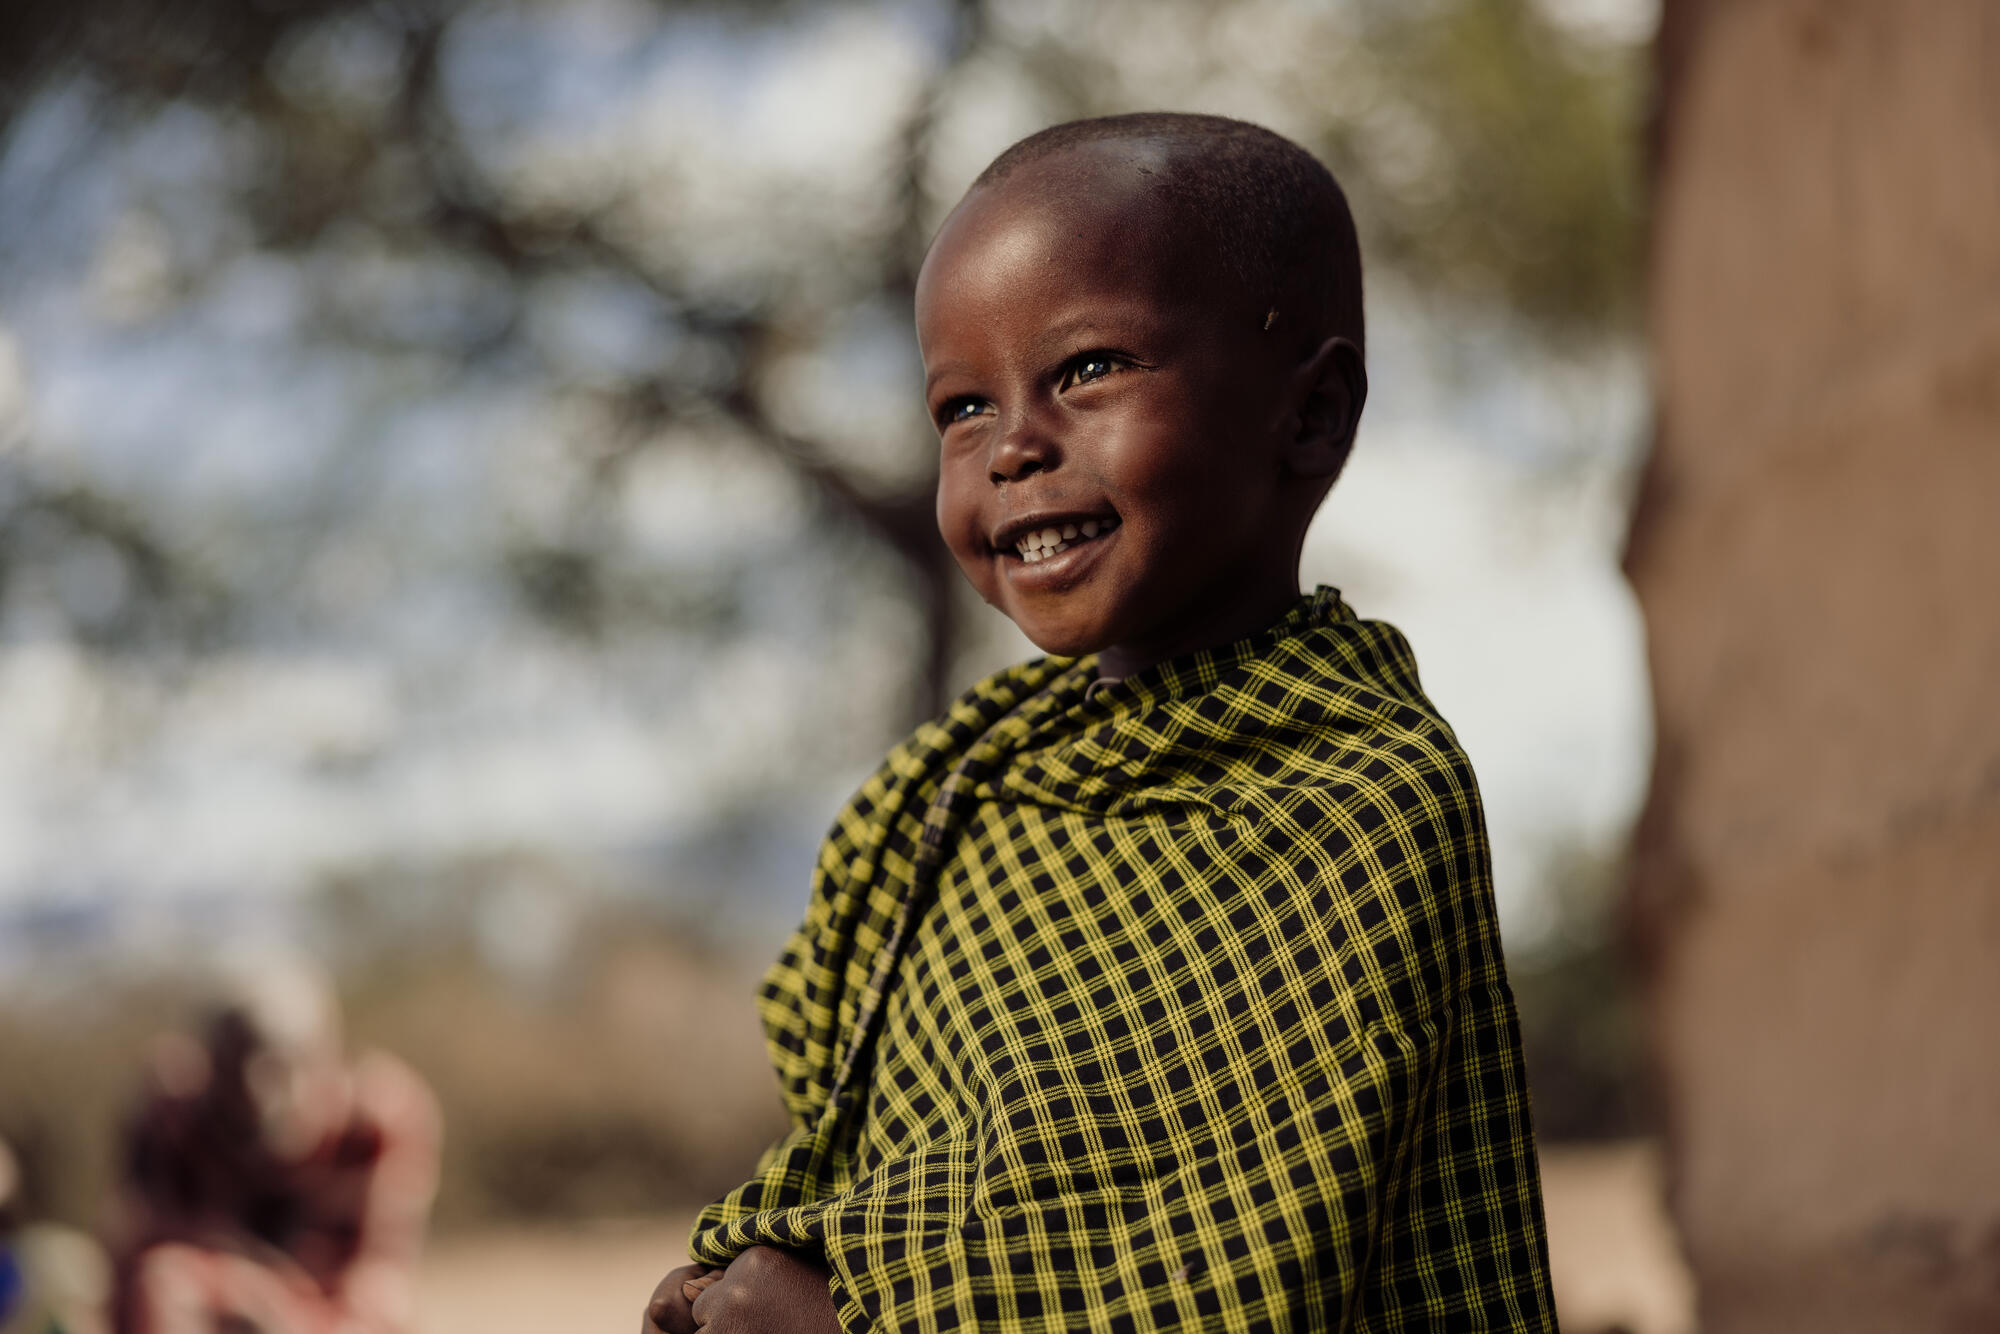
1046 542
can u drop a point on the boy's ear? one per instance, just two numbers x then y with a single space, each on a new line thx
1324 408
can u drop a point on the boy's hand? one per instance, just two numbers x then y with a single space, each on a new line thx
671 1307
766 1290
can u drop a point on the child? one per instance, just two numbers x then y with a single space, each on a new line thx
270 1183
1157 985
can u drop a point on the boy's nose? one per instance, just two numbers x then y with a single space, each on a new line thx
1021 450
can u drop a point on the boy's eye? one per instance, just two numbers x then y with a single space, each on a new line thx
958 409
1090 366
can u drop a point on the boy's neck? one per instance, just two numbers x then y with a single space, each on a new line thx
1241 619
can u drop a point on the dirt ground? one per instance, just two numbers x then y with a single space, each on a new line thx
1611 1250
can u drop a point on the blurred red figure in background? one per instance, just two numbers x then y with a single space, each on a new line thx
269 1183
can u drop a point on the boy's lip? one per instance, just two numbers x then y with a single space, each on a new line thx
1060 571
1008 535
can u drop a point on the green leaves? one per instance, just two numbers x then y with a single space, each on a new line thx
1530 191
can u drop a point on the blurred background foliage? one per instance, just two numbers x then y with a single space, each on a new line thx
505 414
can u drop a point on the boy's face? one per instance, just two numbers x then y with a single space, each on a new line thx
1090 370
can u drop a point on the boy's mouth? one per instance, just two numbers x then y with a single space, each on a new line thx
1039 541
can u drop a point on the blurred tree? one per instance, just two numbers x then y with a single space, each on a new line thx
1581 1027
1535 196
1488 152
401 168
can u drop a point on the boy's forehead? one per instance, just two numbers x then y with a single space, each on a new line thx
1098 204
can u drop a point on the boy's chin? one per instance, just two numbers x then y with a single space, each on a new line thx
1069 624
1063 648
1062 641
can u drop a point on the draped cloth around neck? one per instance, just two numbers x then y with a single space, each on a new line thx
1172 1003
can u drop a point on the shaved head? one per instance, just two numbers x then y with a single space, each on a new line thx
1264 206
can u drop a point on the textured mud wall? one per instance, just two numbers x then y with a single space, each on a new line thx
1817 549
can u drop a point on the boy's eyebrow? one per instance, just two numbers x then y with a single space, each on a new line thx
1097 325
1070 331
939 371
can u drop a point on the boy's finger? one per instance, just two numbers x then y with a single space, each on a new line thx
692 1288
668 1308
701 1306
666 1313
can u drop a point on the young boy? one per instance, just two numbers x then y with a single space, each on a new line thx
1157 985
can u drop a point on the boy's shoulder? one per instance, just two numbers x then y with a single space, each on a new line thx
1322 697
1326 723
1335 675
1320 703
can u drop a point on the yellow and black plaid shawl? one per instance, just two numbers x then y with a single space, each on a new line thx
1173 1004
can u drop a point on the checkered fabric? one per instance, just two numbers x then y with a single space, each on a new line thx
1172 1004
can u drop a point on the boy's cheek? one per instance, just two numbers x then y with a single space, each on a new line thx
957 512
967 543
974 565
